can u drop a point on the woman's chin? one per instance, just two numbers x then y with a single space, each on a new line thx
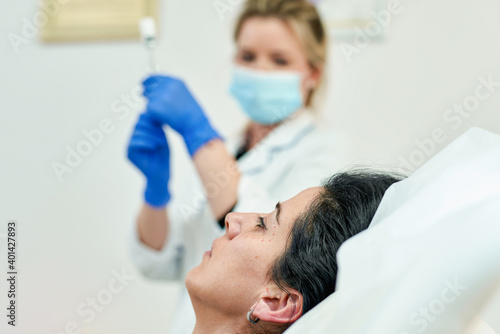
196 277
191 278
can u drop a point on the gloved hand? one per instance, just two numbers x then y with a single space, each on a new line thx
148 150
171 103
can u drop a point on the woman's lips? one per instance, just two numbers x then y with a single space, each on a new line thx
209 253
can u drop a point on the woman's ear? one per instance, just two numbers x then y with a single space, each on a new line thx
275 305
314 77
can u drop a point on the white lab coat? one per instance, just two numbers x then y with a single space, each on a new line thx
294 156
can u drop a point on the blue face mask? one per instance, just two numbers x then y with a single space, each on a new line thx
267 97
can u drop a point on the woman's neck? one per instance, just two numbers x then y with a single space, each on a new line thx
208 321
256 132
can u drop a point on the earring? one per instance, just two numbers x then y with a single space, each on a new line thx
249 317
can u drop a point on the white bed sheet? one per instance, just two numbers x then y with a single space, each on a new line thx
431 258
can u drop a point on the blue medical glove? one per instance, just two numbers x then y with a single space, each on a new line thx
148 150
171 103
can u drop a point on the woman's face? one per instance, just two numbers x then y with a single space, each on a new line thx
269 44
234 276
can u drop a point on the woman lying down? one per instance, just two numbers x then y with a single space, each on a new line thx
268 270
264 271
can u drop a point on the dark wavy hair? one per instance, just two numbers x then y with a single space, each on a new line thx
344 208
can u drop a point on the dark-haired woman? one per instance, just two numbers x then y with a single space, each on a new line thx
268 270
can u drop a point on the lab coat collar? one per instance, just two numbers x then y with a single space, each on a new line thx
284 137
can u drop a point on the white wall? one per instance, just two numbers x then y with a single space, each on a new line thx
72 233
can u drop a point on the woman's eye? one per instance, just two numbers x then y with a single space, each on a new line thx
248 57
261 223
280 61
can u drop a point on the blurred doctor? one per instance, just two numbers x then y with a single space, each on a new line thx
279 65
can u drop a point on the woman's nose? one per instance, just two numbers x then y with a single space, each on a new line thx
263 65
234 221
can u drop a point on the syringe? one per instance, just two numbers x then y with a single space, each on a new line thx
148 36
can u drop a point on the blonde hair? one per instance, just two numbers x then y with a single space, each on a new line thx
305 22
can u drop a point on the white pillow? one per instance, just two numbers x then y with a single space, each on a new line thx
431 257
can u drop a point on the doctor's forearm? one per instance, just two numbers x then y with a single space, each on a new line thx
220 176
153 226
